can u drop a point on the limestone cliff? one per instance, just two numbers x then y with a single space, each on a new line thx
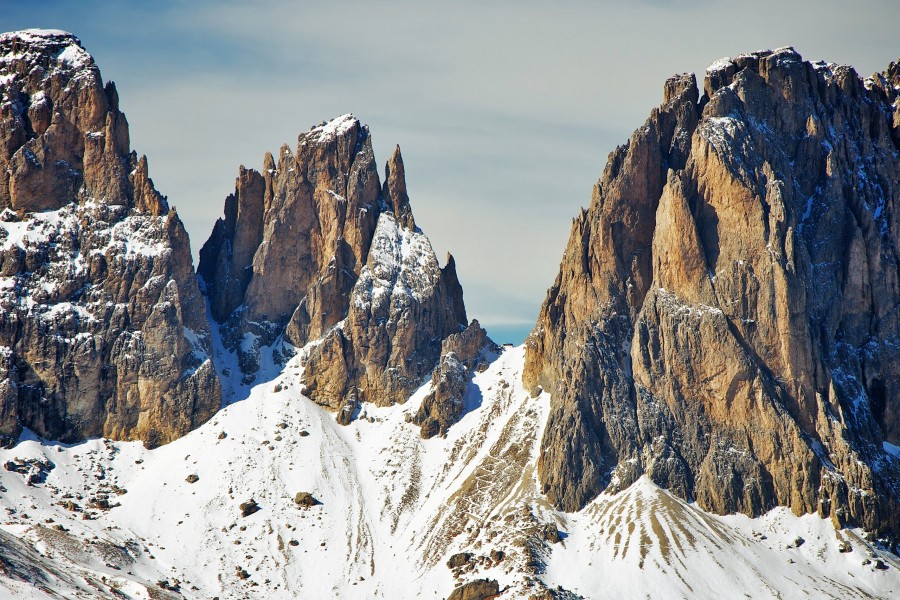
102 326
726 318
314 248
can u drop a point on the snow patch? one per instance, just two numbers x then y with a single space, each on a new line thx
333 129
719 65
401 267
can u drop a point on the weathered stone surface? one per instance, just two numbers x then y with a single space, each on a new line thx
725 317
480 589
395 190
461 354
325 252
305 500
317 210
102 326
390 340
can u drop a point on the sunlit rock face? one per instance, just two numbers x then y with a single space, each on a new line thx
103 329
725 319
316 249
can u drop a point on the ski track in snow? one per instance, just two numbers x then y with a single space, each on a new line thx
394 508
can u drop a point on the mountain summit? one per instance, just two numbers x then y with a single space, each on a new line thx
315 249
726 318
102 325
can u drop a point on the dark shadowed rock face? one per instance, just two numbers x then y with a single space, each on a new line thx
462 354
315 248
726 317
102 326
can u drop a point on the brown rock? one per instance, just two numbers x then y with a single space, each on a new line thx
398 314
249 507
480 589
394 191
316 211
305 500
550 533
723 316
230 269
459 560
339 258
461 353
103 332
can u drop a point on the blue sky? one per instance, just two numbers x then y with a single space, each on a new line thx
505 110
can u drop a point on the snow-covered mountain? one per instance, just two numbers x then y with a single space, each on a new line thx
102 324
700 412
392 510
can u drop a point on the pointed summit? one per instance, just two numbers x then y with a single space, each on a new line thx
334 257
395 190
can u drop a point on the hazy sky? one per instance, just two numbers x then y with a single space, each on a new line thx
505 110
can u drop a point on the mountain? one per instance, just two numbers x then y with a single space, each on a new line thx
726 319
655 436
102 325
315 249
392 515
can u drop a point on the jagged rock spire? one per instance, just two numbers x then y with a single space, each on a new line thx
395 190
340 259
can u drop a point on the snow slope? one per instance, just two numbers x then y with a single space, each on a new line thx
393 509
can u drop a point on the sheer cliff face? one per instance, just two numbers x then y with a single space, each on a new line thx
102 325
727 314
315 248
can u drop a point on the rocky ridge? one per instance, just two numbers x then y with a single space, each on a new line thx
102 325
316 251
726 318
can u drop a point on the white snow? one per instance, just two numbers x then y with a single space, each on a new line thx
332 129
891 449
721 132
645 540
677 305
34 34
74 56
401 267
719 65
394 507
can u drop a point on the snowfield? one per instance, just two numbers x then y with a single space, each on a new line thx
112 519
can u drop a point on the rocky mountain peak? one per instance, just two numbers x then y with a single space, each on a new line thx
317 249
681 87
294 238
66 136
725 316
102 326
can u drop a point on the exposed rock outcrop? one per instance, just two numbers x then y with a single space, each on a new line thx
461 354
316 249
102 326
480 589
727 314
293 241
